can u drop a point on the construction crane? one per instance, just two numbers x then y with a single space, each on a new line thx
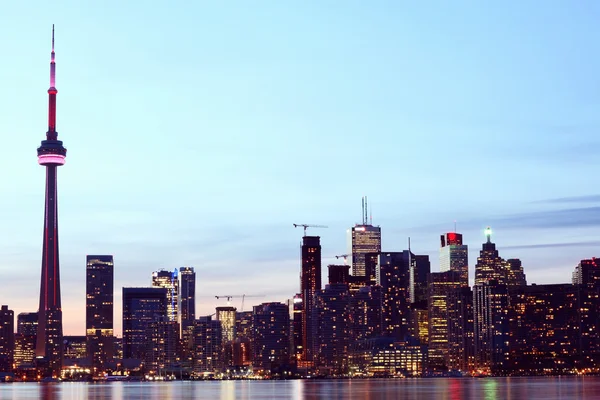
345 256
243 296
309 226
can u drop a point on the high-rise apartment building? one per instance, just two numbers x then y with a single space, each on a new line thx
461 350
7 339
99 310
206 345
310 284
333 308
271 335
170 281
365 313
394 279
454 256
187 278
141 307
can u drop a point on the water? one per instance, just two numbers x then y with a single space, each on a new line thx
443 388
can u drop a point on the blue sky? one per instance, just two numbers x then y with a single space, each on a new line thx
197 133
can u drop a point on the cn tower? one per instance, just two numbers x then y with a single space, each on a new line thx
51 154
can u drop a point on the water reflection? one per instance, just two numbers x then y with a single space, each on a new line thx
379 389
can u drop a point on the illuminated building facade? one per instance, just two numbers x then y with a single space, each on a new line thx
169 281
363 239
310 284
51 154
439 286
187 277
296 319
226 315
491 326
207 345
587 272
99 306
489 267
141 307
163 336
271 336
387 357
25 339
515 276
366 319
454 256
461 350
75 349
554 329
7 339
394 279
333 306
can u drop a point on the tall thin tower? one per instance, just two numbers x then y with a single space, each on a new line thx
51 154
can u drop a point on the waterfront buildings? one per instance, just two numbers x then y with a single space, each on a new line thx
7 338
271 336
394 278
207 346
99 310
333 313
141 307
310 284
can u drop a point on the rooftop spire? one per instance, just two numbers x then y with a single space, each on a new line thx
51 135
488 234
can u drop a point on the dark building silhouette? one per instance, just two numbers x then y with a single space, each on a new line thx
27 323
454 256
51 154
515 276
439 286
491 328
296 329
394 279
75 349
141 307
187 277
99 306
310 284
338 273
365 314
271 336
7 339
333 310
420 267
162 351
554 329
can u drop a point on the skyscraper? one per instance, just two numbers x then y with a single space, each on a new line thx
170 281
439 286
206 345
226 315
394 278
27 325
587 272
310 284
99 310
515 276
141 307
7 339
362 239
333 307
489 264
187 276
271 335
454 256
51 154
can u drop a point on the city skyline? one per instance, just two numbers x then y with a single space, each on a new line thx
541 206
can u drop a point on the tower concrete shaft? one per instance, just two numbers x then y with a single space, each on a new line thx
51 154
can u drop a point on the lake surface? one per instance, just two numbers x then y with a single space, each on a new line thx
368 389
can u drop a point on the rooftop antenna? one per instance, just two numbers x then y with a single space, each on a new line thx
454 226
362 214
365 219
371 215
